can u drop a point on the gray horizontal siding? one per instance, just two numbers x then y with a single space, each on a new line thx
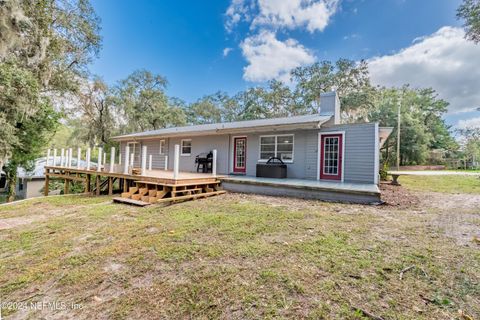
359 154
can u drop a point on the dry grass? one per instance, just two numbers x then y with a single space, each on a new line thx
242 257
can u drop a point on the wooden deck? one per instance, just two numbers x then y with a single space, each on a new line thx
155 186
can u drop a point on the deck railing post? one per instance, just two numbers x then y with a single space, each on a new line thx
112 158
48 158
89 151
144 160
150 162
54 157
214 162
62 157
70 154
99 161
176 161
125 165
166 163
79 157
65 161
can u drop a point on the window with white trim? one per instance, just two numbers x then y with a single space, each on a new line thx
162 147
280 146
186 147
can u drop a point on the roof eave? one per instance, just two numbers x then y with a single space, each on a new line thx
306 125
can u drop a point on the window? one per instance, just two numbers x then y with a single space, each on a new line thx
280 146
186 147
162 147
330 155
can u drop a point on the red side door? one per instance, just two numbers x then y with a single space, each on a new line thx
240 154
331 156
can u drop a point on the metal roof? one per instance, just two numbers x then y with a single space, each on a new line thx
218 128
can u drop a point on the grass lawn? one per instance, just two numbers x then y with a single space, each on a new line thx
241 257
446 184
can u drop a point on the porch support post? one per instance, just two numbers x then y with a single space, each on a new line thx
125 165
176 162
47 181
66 188
166 163
54 157
47 162
150 162
132 159
89 151
112 158
110 186
214 162
144 160
62 157
79 157
88 181
97 183
99 161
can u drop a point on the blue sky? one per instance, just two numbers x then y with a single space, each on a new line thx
413 41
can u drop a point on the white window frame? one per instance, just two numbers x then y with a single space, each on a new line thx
276 144
320 134
161 146
181 148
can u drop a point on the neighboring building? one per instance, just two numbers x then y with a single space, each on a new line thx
30 183
348 152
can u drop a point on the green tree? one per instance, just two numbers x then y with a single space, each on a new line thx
469 11
97 120
145 104
350 79
205 110
35 134
422 128
45 48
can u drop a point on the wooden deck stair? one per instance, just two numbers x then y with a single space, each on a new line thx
145 192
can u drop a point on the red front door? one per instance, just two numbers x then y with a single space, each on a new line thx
331 157
239 154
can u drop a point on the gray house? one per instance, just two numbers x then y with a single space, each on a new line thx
315 148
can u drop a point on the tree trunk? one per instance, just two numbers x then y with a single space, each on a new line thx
11 182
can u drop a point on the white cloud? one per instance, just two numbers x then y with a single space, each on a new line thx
269 58
290 14
227 51
470 123
443 60
314 15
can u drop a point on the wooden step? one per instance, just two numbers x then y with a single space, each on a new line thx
152 193
131 201
152 199
145 198
132 190
143 191
136 196
126 195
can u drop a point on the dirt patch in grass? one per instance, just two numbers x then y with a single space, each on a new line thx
242 256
